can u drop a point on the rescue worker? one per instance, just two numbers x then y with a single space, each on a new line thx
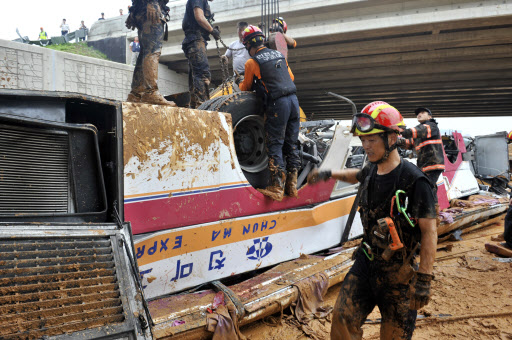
279 25
197 28
382 277
150 18
267 73
43 35
237 51
426 139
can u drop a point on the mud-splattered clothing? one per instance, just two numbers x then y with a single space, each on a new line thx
191 28
151 36
198 72
378 283
426 140
194 47
273 81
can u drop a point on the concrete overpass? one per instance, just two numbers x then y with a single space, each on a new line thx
452 56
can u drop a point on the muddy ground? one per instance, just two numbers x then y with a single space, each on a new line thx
471 287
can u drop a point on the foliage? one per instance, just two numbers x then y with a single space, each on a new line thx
79 48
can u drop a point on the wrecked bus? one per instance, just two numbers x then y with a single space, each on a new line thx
125 221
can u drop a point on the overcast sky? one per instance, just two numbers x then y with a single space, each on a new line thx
29 15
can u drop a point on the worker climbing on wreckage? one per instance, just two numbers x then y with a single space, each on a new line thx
268 73
150 18
426 139
279 25
397 210
197 27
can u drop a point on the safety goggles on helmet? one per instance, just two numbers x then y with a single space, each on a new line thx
366 123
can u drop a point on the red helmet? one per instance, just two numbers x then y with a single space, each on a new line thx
282 23
377 117
251 33
510 136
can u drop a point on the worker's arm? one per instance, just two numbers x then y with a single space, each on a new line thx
422 131
201 19
290 71
251 70
428 250
345 175
290 41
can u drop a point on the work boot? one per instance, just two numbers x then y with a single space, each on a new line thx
155 98
290 187
133 97
276 190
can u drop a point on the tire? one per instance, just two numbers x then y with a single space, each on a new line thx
246 111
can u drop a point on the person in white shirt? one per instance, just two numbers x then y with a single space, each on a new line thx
237 51
64 28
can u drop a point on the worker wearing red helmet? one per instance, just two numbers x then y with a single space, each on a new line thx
380 276
279 25
267 73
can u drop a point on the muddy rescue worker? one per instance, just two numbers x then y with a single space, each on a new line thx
267 73
380 276
150 18
426 140
197 28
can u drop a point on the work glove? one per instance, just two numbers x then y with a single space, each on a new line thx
401 142
421 295
316 176
216 33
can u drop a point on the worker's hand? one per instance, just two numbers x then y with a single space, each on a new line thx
421 295
224 59
401 142
216 33
153 14
316 176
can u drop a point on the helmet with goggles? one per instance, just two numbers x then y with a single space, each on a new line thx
377 117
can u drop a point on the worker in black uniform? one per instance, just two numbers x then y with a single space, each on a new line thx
268 73
426 140
197 28
383 273
150 18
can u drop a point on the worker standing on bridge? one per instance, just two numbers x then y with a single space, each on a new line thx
383 273
197 27
150 18
426 139
267 73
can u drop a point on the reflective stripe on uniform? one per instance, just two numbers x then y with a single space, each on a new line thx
433 167
429 131
414 133
429 142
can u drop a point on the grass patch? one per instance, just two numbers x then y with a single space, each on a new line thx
79 48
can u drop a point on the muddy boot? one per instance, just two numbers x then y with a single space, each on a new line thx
276 189
290 187
134 97
155 98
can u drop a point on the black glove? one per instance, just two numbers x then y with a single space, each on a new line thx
421 295
316 176
401 142
216 33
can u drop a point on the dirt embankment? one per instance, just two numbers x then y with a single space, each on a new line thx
472 298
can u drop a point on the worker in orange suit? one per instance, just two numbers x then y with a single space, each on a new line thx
267 73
